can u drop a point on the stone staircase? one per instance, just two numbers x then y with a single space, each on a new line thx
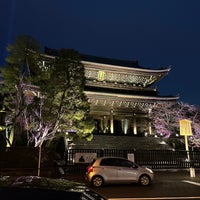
121 142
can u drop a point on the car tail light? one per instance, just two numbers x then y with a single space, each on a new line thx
89 169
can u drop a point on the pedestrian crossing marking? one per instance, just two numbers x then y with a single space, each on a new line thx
191 182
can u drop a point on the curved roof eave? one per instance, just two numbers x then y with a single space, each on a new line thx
139 68
162 70
160 98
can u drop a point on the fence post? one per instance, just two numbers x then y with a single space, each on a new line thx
131 157
101 152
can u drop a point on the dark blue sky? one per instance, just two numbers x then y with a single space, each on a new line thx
157 33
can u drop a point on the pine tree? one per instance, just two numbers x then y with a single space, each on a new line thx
14 77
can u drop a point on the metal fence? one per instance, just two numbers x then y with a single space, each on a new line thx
76 160
155 159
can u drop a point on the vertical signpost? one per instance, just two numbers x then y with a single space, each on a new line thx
186 130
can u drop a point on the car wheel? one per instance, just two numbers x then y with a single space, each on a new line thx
97 181
144 180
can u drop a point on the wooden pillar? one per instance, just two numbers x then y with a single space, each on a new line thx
105 124
111 122
101 123
125 125
134 124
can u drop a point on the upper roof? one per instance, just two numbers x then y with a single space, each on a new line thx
110 61
110 71
102 60
97 59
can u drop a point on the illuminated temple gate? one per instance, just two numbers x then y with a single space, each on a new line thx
121 94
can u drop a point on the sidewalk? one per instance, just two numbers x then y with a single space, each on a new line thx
177 174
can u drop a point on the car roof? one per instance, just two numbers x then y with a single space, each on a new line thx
115 157
99 159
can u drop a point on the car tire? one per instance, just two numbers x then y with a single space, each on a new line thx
144 180
97 181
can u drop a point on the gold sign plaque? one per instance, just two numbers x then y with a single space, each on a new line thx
185 127
101 75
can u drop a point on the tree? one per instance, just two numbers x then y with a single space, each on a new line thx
45 101
162 118
14 76
62 105
166 117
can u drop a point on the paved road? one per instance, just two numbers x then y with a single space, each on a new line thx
167 185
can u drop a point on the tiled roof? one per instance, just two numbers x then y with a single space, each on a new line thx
110 61
97 59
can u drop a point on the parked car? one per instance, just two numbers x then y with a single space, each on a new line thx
34 187
106 170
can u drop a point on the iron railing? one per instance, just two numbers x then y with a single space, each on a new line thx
25 160
155 159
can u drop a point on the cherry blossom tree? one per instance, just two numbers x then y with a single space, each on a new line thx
166 117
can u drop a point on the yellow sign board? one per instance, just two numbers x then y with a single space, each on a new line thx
185 127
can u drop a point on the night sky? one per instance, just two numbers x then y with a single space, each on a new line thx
157 33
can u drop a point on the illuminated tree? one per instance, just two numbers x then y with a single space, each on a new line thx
61 105
166 117
14 76
162 119
44 102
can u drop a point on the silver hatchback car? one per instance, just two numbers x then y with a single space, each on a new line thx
111 170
